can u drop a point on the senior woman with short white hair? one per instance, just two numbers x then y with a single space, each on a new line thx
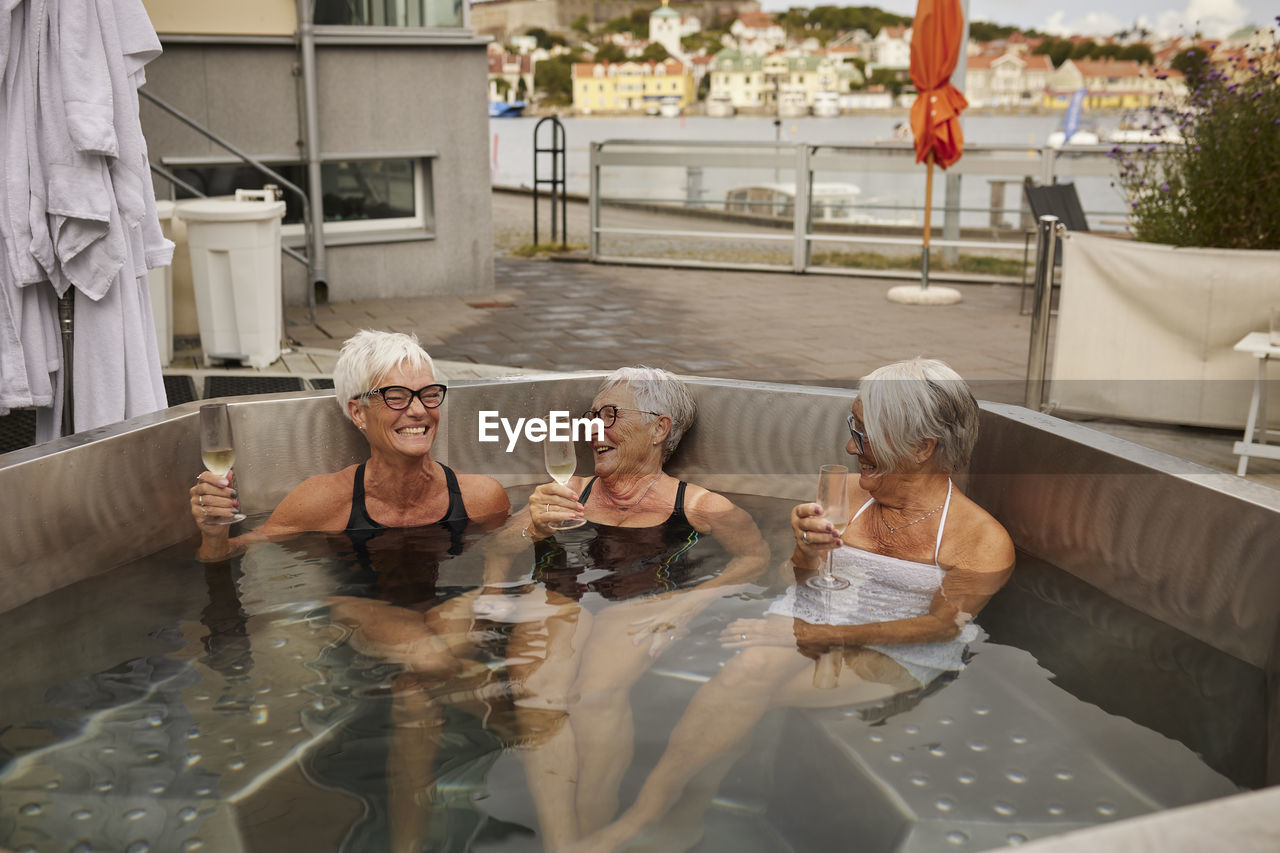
636 565
920 559
386 384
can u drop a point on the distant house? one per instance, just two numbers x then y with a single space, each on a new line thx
754 82
619 87
891 48
1110 84
1009 80
757 34
510 76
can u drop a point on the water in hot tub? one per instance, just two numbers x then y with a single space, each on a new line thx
171 705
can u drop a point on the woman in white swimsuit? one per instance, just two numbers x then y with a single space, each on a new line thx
921 560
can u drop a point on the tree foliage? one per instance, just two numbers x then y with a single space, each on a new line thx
655 51
610 52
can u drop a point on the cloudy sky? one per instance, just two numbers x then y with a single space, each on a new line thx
1216 18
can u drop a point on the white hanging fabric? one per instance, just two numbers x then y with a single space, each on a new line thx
79 209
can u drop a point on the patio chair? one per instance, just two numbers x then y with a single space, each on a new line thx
1060 200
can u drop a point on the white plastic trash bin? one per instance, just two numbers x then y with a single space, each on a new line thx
235 272
160 284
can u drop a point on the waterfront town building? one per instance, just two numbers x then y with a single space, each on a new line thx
891 48
623 87
510 75
504 18
1112 84
397 186
762 82
1013 79
757 34
667 27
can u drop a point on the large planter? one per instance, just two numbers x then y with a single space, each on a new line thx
1146 331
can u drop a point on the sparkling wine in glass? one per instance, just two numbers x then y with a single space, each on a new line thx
217 449
561 458
833 495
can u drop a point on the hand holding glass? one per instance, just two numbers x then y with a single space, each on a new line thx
561 458
217 449
833 495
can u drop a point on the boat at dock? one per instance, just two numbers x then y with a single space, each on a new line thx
504 109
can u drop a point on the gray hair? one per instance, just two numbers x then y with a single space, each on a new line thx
657 390
906 403
368 356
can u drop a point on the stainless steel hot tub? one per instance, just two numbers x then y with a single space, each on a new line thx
1192 550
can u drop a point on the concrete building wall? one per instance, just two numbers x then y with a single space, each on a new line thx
223 17
375 101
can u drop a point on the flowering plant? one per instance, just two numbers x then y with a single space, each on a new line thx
1219 186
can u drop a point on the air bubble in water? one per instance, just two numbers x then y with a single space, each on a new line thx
876 738
1015 777
978 745
912 730
1106 809
896 757
937 751
1063 775
1004 809
104 787
135 814
1056 810
29 810
187 814
945 804
1019 739
235 764
1015 838
81 814
138 846
919 780
966 778
193 844
955 836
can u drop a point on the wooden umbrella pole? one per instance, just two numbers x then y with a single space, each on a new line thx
928 221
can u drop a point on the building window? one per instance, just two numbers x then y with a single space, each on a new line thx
361 197
389 13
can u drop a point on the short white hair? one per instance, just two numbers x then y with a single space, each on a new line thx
906 403
657 390
368 356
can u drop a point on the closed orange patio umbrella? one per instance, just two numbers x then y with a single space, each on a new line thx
935 116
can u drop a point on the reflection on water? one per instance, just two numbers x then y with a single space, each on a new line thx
171 704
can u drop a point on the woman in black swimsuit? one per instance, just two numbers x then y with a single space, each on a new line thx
637 551
387 387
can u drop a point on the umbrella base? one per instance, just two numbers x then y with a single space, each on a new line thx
914 294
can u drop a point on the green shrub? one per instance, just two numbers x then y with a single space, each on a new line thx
1220 186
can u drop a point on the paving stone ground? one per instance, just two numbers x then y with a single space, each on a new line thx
811 329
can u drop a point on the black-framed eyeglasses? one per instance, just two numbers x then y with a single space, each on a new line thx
609 414
858 436
399 398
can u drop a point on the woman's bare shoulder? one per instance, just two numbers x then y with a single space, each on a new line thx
975 539
321 502
483 495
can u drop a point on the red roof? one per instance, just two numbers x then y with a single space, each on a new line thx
757 20
1107 67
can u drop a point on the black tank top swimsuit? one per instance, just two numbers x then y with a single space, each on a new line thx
638 560
401 566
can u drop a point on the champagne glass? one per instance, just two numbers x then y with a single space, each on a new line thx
561 458
217 449
833 494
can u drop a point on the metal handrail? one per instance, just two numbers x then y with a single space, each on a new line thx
307 219
172 178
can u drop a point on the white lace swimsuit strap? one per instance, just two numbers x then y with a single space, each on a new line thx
869 502
946 506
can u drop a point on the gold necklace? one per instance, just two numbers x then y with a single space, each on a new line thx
636 502
893 529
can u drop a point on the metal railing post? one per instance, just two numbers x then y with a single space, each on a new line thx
593 201
801 212
1048 230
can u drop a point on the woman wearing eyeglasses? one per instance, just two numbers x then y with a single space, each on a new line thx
386 385
639 565
920 560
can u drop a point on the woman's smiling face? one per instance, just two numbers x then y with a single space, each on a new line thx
870 474
407 432
627 444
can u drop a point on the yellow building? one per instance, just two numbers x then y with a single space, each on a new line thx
615 87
